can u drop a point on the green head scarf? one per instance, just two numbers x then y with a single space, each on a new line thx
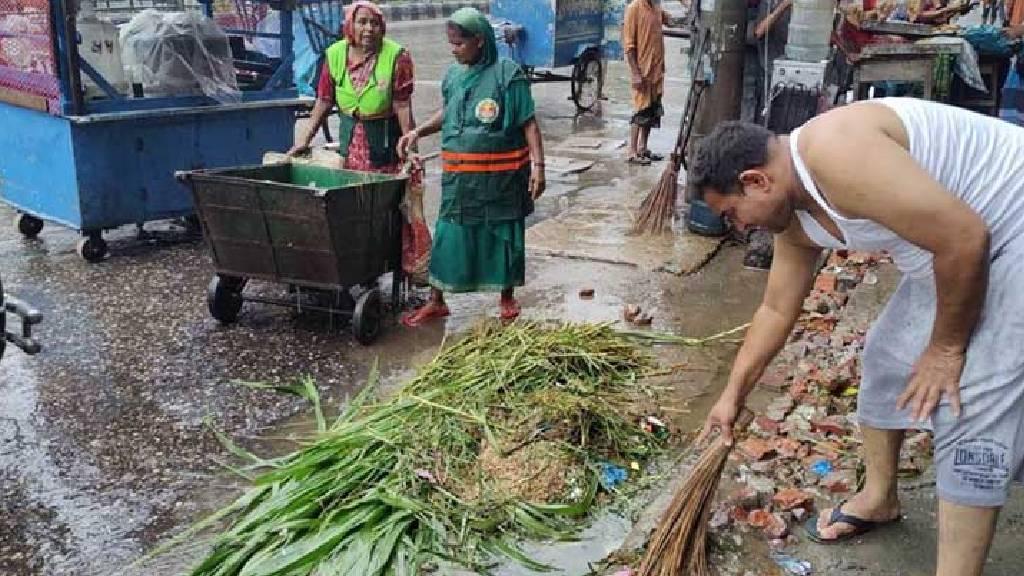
473 21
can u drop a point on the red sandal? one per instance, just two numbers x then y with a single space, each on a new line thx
426 312
509 309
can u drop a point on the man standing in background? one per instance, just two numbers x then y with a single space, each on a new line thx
644 45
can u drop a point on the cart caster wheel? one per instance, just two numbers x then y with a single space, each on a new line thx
28 225
367 317
92 248
586 81
224 298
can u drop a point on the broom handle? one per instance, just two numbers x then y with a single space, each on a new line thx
692 103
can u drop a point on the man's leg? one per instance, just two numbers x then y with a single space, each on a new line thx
965 534
641 145
878 501
634 133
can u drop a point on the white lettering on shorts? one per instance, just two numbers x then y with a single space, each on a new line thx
981 464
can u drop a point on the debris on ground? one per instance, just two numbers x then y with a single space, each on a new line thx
803 451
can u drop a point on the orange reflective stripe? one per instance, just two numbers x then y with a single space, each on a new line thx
485 156
485 167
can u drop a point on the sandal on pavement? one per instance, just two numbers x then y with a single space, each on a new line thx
860 525
652 156
423 313
509 309
639 160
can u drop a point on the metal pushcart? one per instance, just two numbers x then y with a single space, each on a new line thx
327 234
541 35
86 146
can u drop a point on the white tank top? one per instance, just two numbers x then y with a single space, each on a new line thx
979 159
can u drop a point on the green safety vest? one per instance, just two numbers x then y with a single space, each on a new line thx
363 105
486 165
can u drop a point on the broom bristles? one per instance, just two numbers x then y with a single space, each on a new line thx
658 208
677 546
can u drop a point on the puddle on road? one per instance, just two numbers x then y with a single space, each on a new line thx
88 532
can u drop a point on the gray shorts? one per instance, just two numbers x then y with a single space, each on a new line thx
979 454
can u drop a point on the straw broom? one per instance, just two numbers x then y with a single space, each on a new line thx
678 546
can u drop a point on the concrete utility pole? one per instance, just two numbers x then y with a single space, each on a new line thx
727 22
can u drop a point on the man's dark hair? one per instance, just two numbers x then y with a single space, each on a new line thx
724 154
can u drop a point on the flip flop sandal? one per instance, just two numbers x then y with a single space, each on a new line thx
509 310
418 317
639 160
860 526
652 156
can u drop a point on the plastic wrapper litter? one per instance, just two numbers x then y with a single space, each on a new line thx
179 53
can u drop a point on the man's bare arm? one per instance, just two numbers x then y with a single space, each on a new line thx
788 283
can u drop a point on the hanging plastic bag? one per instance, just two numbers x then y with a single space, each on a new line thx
416 240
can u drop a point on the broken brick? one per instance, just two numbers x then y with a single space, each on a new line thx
787 447
757 448
759 518
767 424
744 497
739 514
830 425
776 527
791 498
826 282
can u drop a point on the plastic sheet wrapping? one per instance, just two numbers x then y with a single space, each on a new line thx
178 53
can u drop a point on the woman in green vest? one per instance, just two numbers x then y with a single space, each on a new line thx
370 79
493 170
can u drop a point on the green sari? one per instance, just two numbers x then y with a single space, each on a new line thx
484 251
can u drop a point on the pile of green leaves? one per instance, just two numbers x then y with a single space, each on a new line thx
380 490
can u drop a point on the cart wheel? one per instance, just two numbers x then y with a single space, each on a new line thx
586 81
28 225
93 248
367 316
224 298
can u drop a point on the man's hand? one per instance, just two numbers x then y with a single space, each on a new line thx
406 142
537 183
298 150
937 372
722 417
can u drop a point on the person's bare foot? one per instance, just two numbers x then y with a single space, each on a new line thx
861 506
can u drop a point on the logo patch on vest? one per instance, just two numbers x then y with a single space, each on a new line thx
487 110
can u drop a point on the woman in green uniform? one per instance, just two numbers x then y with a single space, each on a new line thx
493 170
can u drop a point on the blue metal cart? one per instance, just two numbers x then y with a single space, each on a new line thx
88 153
542 35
